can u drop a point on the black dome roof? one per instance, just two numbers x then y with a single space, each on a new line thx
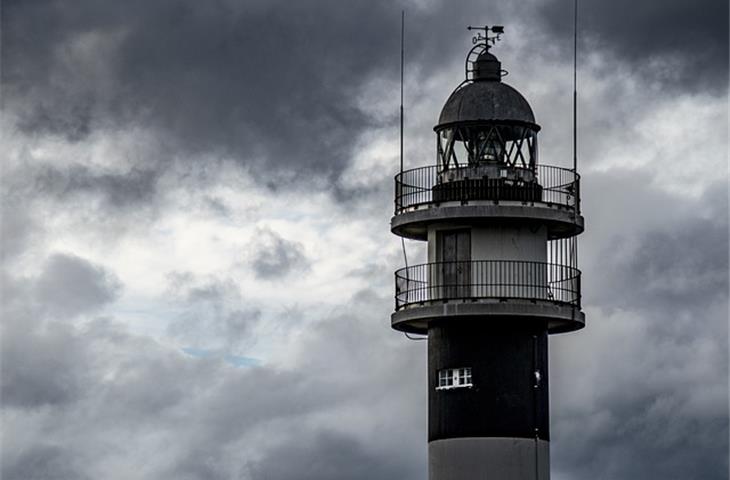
486 100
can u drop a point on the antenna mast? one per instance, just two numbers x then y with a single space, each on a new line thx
573 243
575 86
402 49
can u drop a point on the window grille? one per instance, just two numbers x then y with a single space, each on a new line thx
449 378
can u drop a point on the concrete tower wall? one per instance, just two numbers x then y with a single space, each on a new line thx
510 241
489 459
495 242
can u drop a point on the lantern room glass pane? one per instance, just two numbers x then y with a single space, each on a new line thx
486 144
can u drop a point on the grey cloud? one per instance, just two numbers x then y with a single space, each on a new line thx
40 366
40 358
70 285
267 83
216 421
649 250
273 256
17 230
641 393
274 85
674 270
691 36
235 327
217 207
150 382
617 455
277 406
648 400
648 397
44 462
325 456
214 310
678 268
133 189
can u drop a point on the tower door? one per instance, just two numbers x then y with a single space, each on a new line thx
456 266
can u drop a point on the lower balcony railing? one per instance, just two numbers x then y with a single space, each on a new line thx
487 279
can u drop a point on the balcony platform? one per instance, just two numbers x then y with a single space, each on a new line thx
561 222
502 291
558 317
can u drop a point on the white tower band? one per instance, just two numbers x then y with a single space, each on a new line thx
501 276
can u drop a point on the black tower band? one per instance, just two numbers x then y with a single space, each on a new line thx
509 396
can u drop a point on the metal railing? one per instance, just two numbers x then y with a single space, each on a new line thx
487 279
427 185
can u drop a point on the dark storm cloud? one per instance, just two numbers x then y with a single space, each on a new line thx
647 438
213 310
269 83
17 230
44 462
675 268
40 366
277 86
325 457
273 256
40 361
274 85
649 398
71 285
692 36
117 191
193 418
655 251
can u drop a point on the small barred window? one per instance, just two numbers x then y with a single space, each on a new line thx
454 378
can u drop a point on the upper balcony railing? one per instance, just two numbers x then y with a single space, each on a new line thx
487 280
427 185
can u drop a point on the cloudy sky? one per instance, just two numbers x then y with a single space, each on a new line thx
197 264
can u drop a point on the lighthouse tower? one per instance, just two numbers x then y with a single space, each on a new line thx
501 276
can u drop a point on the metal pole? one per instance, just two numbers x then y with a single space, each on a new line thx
575 86
402 58
402 42
575 125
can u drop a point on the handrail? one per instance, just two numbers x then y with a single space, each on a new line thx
427 185
487 279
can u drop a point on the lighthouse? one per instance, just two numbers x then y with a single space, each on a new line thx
502 276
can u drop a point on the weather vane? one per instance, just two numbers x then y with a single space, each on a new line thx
488 39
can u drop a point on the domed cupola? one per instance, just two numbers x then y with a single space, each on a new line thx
485 121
